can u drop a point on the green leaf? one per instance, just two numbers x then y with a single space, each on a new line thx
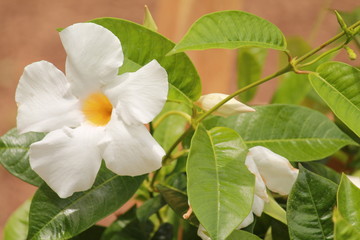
93 233
231 29
177 200
128 227
220 187
323 171
297 133
250 62
279 231
65 218
141 45
242 235
309 207
338 85
16 227
14 156
348 196
150 207
343 229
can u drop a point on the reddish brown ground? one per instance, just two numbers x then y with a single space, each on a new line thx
27 30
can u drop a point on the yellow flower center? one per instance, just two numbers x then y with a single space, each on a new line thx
97 109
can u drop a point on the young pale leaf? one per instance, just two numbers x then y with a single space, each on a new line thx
66 218
249 66
338 85
231 29
348 204
294 132
220 187
242 235
181 72
149 21
274 210
309 207
343 229
14 154
16 227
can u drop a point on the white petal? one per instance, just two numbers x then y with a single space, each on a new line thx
44 101
202 233
247 221
130 150
355 180
94 55
231 107
278 174
68 159
258 206
260 188
138 97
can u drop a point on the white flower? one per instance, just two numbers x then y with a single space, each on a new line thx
355 180
270 170
91 113
230 108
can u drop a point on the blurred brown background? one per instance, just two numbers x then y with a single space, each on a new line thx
28 34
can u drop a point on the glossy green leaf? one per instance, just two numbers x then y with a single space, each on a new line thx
297 133
177 200
338 85
14 155
141 45
250 62
348 196
65 218
309 207
242 235
323 171
220 187
150 207
231 29
128 227
16 227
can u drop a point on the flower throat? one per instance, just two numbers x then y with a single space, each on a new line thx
97 109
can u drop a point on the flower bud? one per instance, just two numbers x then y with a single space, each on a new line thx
230 108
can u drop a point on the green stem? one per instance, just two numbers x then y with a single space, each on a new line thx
167 157
286 69
327 43
167 114
322 56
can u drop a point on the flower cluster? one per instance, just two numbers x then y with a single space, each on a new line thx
91 113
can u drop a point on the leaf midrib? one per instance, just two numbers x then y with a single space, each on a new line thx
217 182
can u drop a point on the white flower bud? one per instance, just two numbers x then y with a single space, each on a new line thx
230 108
355 180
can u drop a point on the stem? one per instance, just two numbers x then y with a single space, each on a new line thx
315 50
286 69
322 55
167 114
171 149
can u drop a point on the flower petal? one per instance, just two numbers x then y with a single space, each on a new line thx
94 55
278 174
44 101
230 108
258 206
68 159
247 221
355 180
130 150
138 97
260 188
